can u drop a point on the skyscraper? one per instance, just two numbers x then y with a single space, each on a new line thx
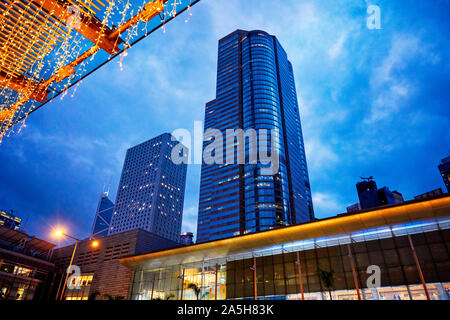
102 219
444 169
368 193
151 190
255 90
371 197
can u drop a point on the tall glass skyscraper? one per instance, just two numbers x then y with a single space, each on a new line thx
102 219
151 190
255 90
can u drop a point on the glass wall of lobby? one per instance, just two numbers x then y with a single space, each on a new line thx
202 281
286 271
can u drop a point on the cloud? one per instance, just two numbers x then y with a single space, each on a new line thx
390 88
190 219
326 204
337 48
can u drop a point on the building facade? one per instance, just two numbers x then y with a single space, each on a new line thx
102 220
26 271
430 194
371 197
397 244
354 207
101 274
151 190
386 196
187 238
367 194
255 90
444 169
9 220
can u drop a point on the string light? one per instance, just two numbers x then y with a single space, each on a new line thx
42 55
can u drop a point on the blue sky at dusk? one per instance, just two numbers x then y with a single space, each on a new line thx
372 103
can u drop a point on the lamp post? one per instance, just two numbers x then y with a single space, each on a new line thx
60 233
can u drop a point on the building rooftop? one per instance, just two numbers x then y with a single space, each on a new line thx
406 212
19 241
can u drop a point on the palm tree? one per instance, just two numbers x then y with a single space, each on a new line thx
327 278
195 288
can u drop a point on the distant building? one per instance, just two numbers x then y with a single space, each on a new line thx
444 168
102 220
398 197
386 196
354 207
26 272
371 197
187 238
151 190
101 271
429 194
368 194
9 220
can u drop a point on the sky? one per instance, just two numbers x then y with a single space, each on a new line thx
373 102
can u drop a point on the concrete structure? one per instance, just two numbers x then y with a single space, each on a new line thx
100 269
151 190
408 242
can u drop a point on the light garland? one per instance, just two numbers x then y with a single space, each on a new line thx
46 46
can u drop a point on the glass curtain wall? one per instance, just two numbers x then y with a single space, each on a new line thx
282 271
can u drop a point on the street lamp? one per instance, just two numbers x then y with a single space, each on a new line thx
60 233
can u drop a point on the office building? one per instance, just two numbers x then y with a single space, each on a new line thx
430 194
101 272
102 220
9 220
255 90
354 207
368 193
187 238
404 240
26 272
398 196
371 197
151 190
386 196
444 169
